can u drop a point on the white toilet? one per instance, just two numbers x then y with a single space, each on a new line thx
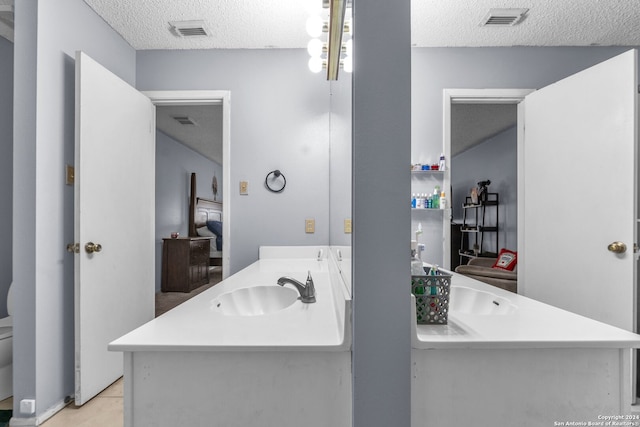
6 351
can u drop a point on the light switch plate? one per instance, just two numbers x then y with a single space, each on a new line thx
310 225
244 188
347 226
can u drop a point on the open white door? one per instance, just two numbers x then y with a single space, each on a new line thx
115 208
577 192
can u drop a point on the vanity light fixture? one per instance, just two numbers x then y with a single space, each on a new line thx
332 54
337 9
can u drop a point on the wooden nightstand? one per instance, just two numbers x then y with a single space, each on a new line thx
185 263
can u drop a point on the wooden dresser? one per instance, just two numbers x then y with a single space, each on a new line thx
185 263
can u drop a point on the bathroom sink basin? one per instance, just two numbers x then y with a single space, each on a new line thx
254 301
472 301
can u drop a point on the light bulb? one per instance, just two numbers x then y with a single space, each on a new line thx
314 26
314 47
315 64
347 64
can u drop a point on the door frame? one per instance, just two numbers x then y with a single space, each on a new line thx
209 97
483 96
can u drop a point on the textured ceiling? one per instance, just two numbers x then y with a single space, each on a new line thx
233 24
256 24
6 19
548 23
472 124
205 137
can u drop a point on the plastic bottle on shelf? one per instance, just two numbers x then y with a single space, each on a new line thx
413 200
442 163
419 201
436 198
443 201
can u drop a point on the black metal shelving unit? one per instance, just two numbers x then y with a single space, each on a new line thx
474 226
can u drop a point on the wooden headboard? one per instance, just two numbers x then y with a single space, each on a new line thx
201 210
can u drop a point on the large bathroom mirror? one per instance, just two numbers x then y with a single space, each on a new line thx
340 162
340 172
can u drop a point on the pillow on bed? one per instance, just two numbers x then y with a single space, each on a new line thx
204 232
506 260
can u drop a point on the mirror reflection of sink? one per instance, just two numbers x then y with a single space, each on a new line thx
254 301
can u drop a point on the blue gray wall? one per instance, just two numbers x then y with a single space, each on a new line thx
174 164
279 120
495 159
47 36
6 169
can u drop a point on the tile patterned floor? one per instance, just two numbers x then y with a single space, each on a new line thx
104 410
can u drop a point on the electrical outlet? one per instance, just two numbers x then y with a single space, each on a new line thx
244 188
347 226
310 225
28 406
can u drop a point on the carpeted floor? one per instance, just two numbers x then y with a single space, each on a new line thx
5 416
165 301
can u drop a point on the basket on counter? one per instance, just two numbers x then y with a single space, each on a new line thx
432 298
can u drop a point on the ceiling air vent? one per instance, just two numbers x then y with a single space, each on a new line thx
503 17
184 120
188 28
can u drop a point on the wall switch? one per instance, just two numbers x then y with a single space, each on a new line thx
28 406
244 188
310 225
347 226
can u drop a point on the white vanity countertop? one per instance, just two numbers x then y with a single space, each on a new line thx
194 326
532 325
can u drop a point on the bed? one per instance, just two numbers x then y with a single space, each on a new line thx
205 220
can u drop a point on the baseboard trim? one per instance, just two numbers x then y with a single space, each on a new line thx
36 421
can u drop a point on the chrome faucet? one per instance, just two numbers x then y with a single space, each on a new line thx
307 291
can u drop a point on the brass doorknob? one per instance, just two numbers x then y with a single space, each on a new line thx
92 247
617 247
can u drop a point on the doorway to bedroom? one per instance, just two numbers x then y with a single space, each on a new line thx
192 154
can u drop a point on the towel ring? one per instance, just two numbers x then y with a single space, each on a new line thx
276 174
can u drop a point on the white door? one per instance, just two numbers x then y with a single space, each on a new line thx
114 208
577 192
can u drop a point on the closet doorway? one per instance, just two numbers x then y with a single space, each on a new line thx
480 132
